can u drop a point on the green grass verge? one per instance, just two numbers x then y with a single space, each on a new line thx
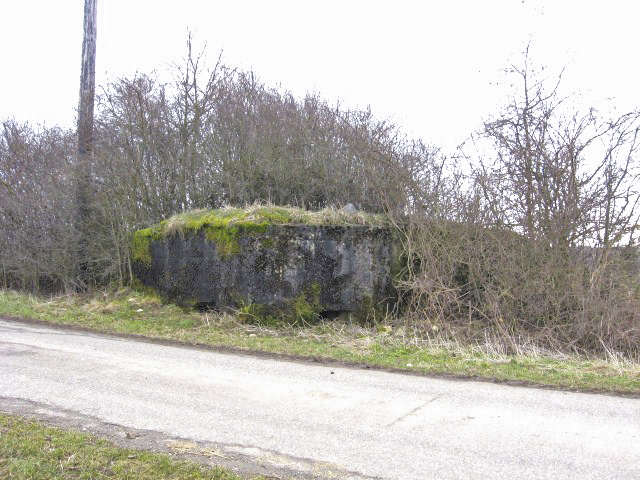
383 346
30 450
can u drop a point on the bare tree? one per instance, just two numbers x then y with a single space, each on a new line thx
36 207
537 244
561 175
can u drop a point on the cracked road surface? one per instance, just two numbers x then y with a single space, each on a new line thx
291 419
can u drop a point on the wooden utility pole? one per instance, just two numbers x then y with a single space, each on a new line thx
84 195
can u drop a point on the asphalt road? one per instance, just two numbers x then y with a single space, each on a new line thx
305 420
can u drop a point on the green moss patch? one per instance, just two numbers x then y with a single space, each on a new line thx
304 308
141 248
307 305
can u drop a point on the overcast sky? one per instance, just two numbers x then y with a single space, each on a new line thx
433 67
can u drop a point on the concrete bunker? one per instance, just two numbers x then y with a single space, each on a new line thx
272 261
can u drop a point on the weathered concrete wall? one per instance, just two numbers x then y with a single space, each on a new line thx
285 268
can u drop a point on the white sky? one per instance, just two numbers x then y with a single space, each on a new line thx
433 67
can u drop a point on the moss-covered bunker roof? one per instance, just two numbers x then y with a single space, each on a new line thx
223 225
263 215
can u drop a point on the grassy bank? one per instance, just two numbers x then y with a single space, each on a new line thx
390 346
30 450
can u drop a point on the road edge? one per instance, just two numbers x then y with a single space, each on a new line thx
313 360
